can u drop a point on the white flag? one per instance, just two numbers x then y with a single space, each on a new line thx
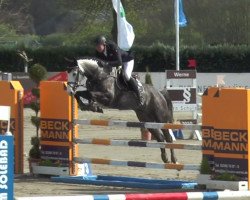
126 36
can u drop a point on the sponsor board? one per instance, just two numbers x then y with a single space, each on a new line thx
183 99
55 140
6 167
54 130
57 153
183 74
230 149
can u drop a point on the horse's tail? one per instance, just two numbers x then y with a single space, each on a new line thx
169 103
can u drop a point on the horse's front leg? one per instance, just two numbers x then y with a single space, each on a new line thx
169 139
160 138
104 98
90 106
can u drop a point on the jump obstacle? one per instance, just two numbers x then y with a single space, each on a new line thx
216 119
57 119
230 127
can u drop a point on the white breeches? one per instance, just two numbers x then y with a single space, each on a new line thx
128 69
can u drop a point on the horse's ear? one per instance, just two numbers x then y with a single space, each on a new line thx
71 63
69 69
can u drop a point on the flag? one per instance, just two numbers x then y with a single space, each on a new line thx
126 36
192 63
182 17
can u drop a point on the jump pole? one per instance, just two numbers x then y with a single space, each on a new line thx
137 143
223 195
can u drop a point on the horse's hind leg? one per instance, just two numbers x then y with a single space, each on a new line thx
169 139
160 138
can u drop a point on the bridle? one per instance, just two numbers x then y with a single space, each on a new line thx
74 85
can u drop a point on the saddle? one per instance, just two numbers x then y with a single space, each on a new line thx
123 85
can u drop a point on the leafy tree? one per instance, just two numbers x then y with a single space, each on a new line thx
210 22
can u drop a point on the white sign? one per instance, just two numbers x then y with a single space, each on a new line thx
5 113
182 107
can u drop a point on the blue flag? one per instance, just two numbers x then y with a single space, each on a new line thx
182 17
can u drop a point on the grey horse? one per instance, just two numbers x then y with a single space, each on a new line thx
103 89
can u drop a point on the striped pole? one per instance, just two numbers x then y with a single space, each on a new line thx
223 195
149 125
137 143
100 161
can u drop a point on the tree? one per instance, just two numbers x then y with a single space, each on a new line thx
209 21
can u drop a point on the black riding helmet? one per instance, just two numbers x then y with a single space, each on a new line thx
100 40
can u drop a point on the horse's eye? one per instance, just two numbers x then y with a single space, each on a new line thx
74 74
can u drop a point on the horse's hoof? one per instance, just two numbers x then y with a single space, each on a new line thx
174 160
99 110
164 158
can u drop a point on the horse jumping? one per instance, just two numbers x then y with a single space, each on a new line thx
104 89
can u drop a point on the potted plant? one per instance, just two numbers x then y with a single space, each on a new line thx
145 133
37 73
49 167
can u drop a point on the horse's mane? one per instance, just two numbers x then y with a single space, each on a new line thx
90 60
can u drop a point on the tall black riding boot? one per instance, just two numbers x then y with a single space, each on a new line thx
133 84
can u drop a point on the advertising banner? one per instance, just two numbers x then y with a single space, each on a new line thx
6 167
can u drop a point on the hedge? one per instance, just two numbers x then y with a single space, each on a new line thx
157 58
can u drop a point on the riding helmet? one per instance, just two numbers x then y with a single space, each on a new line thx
100 40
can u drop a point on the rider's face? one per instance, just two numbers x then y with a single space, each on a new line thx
100 48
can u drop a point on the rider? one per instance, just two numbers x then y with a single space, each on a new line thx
112 56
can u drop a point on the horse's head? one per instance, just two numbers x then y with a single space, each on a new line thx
85 68
76 79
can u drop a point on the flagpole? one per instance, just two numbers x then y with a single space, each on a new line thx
118 20
177 35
